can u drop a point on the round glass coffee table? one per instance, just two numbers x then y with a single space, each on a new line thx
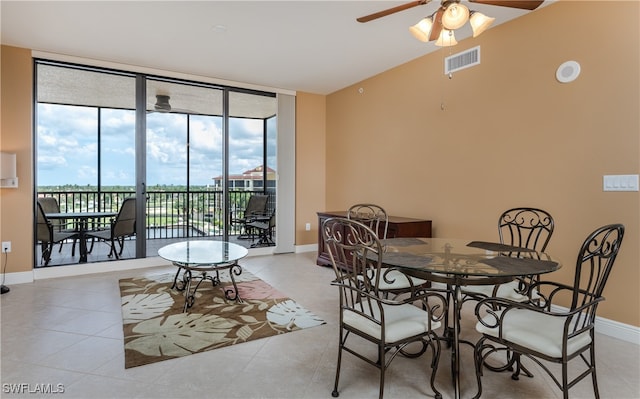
203 256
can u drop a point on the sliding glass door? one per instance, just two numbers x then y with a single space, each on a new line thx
184 152
251 167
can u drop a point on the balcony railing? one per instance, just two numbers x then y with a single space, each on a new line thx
169 214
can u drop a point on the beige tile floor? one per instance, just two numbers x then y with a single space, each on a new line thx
68 331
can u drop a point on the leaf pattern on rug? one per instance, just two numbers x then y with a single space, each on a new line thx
145 306
137 285
289 314
180 334
156 329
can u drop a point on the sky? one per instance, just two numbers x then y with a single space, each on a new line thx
67 146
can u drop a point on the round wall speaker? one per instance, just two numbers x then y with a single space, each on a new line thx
568 72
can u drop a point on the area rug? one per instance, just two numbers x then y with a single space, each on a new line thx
156 329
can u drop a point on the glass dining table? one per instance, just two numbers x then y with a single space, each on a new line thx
458 263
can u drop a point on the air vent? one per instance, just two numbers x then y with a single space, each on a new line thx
462 60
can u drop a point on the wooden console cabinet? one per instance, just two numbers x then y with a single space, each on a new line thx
398 227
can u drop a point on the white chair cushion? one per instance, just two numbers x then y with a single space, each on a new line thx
398 280
537 331
401 321
506 291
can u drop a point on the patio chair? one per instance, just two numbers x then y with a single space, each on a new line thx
543 332
121 227
50 205
389 324
49 235
256 206
262 226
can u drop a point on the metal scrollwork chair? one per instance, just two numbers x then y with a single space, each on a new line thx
539 331
390 324
371 215
377 219
529 228
523 227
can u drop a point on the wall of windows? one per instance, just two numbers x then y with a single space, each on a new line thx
196 136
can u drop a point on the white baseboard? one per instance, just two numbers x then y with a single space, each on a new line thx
306 248
17 278
97 267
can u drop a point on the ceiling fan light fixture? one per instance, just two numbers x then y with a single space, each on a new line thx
422 29
455 16
446 39
479 22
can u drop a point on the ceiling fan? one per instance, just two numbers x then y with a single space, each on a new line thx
436 20
162 105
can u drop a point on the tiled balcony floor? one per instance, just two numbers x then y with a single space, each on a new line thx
100 252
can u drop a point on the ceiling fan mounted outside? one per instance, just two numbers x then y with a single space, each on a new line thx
162 103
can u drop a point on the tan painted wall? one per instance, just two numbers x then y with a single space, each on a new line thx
16 204
509 135
310 164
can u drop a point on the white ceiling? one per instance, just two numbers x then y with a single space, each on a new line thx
311 46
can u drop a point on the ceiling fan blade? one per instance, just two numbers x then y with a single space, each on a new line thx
523 4
437 27
392 10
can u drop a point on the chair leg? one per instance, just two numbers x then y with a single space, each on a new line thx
594 379
565 381
47 248
113 250
90 247
434 343
120 241
517 360
335 392
477 354
383 368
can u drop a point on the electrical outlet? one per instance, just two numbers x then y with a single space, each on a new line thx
307 226
6 246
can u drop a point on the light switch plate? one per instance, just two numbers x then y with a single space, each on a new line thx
620 183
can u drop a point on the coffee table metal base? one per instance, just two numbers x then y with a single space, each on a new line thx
203 270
